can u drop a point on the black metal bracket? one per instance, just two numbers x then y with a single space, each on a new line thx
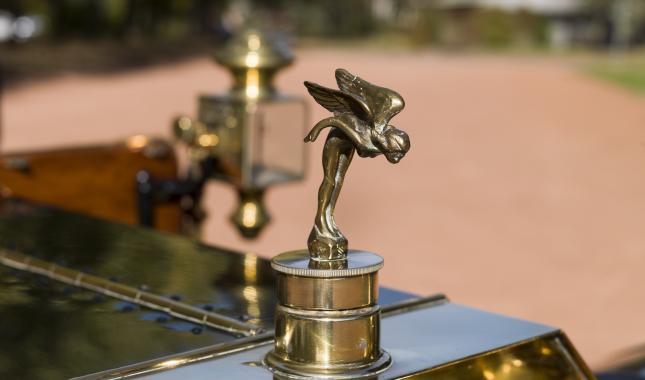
188 192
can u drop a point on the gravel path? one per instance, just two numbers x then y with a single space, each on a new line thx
523 194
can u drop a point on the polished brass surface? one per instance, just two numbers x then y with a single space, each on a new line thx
323 340
412 304
52 330
284 370
327 321
428 339
351 285
327 293
362 112
127 293
218 351
168 363
550 357
251 215
254 57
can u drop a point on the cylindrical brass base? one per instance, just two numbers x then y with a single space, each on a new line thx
327 322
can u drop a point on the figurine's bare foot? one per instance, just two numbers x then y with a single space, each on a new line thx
327 246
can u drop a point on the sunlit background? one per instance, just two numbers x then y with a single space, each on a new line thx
524 190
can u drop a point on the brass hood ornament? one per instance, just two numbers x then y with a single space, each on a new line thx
362 112
327 321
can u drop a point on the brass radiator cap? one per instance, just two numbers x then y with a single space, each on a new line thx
327 321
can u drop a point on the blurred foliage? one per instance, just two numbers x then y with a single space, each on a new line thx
107 35
427 30
171 19
87 19
20 63
479 27
112 34
331 18
504 29
496 28
423 21
624 20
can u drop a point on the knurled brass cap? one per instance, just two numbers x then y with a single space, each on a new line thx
298 263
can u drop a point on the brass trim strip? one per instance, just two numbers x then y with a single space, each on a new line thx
126 293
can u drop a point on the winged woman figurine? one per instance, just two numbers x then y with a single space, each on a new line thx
362 112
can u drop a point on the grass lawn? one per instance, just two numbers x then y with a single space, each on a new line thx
628 72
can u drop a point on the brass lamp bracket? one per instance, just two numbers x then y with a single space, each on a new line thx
239 129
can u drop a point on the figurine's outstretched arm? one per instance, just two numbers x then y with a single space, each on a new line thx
344 126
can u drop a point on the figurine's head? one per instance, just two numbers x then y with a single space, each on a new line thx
394 144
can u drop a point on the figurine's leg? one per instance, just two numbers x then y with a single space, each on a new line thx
325 240
337 154
347 153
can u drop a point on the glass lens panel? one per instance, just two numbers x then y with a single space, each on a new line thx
276 132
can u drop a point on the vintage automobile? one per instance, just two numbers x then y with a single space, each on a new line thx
90 291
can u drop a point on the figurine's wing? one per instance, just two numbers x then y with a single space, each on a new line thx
383 103
339 102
